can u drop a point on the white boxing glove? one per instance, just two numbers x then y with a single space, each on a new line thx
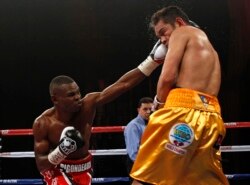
155 58
159 52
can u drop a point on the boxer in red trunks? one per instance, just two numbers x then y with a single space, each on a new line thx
70 172
62 132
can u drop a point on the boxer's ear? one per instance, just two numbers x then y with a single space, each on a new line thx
179 21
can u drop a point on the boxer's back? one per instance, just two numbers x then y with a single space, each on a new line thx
200 65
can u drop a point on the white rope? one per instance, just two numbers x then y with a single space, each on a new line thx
109 152
16 154
31 154
239 148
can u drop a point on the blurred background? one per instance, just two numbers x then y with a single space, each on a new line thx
95 42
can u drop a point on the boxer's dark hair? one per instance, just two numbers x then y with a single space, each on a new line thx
169 15
58 81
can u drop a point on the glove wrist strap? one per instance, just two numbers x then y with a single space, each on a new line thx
148 66
157 104
56 156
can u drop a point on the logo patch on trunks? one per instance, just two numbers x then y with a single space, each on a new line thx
205 100
181 136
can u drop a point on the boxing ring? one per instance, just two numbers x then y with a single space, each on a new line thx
108 152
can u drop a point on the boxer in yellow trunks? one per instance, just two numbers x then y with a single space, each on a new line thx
183 140
70 172
180 145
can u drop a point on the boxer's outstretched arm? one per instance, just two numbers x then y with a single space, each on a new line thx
126 82
132 77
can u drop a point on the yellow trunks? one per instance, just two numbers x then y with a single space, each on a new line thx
180 145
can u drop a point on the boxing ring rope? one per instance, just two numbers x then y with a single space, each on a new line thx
24 132
240 148
40 181
106 129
